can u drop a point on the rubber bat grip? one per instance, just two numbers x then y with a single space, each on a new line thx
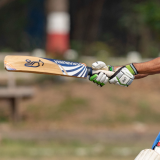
89 69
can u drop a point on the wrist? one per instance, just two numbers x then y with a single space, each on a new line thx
110 68
132 69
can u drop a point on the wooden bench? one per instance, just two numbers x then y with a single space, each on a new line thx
14 94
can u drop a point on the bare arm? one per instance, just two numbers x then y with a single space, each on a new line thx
146 68
139 76
150 67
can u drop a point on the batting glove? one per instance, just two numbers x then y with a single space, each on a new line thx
124 76
101 73
151 154
148 154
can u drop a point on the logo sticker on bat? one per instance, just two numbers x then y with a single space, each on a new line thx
33 63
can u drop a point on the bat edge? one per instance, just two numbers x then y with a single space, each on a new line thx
44 73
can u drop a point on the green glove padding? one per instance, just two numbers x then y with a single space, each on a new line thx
132 69
93 78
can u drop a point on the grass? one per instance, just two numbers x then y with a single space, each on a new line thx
67 150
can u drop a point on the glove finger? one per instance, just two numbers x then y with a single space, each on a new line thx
99 76
93 77
104 79
113 80
117 83
98 65
108 73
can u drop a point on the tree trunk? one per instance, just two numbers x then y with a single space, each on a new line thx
145 41
86 21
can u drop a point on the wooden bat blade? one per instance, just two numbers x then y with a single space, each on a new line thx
45 66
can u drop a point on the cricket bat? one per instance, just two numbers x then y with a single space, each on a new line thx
30 64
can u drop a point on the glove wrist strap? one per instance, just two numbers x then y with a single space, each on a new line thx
110 68
132 69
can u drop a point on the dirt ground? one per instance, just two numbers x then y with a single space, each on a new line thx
80 106
79 111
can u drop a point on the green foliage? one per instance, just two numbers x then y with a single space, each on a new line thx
77 45
99 49
142 23
150 13
13 21
144 13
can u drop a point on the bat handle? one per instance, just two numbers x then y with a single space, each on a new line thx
89 69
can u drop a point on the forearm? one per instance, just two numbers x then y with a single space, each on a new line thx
148 68
139 76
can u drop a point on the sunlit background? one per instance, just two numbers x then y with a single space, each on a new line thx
44 117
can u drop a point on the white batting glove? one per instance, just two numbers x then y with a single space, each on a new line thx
101 73
151 154
148 154
99 65
124 76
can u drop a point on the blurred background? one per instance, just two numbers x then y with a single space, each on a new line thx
45 117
